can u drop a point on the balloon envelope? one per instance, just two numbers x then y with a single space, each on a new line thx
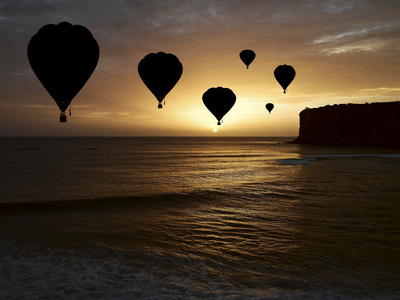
160 72
284 74
247 56
63 57
269 107
219 101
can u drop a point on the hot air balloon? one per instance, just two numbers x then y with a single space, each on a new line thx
219 101
160 72
63 57
284 74
247 56
269 107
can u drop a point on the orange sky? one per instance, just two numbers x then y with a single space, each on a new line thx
343 51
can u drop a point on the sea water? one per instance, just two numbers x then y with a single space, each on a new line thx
197 218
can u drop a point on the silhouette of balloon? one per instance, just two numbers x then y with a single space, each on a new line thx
284 74
269 107
247 56
63 57
219 101
160 72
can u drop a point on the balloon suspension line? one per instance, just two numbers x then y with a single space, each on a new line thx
160 101
63 117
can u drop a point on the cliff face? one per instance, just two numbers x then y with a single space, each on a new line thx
374 124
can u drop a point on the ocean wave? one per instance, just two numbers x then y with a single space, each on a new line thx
308 159
110 203
223 155
39 271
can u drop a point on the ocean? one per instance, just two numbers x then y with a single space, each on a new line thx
197 218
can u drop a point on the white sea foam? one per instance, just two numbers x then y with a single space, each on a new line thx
351 156
63 274
297 161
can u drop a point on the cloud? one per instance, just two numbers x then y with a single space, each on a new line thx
386 92
339 6
370 45
361 32
370 38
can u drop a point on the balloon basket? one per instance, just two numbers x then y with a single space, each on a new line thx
219 123
63 118
159 105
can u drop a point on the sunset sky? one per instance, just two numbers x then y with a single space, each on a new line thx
342 51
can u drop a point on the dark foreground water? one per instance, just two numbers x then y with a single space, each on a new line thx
197 218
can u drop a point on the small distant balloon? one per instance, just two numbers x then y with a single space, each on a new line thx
63 57
269 107
247 56
284 74
160 72
219 101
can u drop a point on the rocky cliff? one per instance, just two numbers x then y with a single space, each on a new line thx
373 124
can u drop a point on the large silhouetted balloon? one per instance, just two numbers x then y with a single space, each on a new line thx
160 72
247 56
219 101
63 57
284 74
269 107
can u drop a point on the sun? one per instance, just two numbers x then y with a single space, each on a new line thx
215 130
